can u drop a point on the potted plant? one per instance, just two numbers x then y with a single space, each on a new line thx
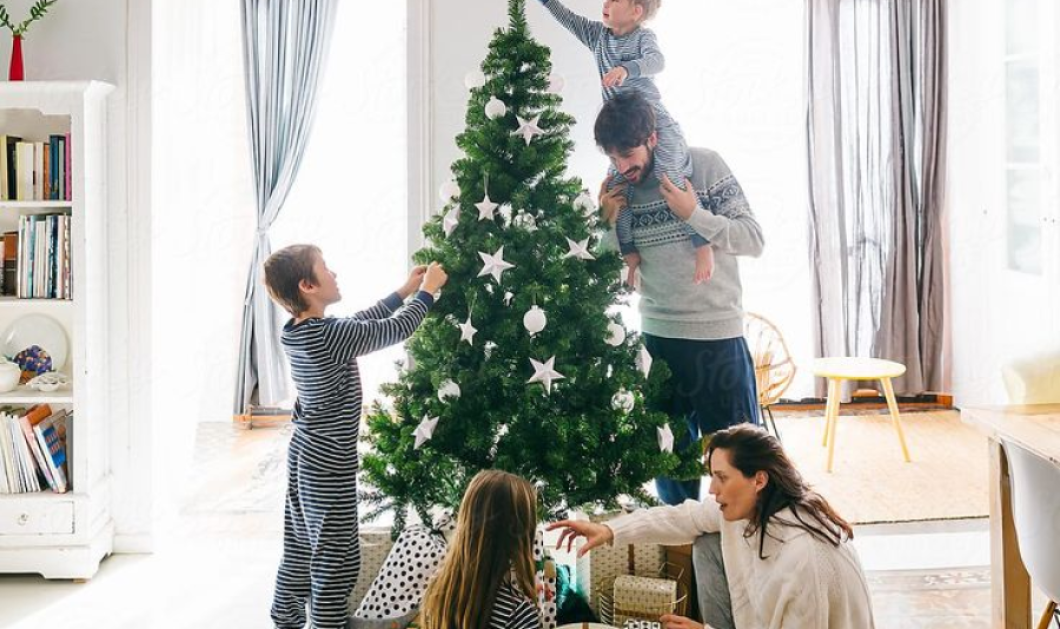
36 12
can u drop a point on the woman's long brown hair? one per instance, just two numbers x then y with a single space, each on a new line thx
753 450
494 538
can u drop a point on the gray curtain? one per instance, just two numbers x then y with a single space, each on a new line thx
285 46
876 142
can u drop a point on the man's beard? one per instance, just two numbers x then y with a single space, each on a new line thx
640 172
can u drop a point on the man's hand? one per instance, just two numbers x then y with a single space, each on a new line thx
434 279
682 202
611 202
670 621
595 534
413 283
617 76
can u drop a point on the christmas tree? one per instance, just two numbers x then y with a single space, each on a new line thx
520 366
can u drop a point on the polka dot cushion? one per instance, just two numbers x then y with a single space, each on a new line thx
400 622
402 581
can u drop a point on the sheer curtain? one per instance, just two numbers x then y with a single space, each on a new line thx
351 197
285 53
876 137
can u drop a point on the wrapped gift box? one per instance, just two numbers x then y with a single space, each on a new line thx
643 598
596 571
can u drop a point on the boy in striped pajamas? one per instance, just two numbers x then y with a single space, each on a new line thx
321 552
628 56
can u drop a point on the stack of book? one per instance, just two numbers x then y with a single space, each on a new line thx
44 256
33 449
35 260
35 171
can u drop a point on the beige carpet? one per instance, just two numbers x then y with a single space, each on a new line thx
870 482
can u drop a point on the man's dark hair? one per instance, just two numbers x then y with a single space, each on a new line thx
625 122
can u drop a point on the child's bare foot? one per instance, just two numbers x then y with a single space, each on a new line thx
704 264
632 262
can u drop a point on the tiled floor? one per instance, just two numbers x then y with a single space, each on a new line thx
216 558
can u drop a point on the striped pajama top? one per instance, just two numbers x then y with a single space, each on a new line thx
323 356
512 610
638 52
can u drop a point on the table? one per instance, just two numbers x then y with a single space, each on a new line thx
1036 428
838 369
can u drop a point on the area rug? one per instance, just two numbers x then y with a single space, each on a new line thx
870 483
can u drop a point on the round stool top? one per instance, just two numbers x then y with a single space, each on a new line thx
857 368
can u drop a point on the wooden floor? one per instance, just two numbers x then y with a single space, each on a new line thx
217 556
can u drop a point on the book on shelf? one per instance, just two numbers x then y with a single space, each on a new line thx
31 418
34 450
24 171
10 262
66 168
43 256
35 170
52 448
7 166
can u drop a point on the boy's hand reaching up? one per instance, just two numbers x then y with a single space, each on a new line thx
434 278
413 283
615 77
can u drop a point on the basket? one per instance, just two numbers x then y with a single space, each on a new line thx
617 614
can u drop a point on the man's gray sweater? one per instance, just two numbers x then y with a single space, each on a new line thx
671 305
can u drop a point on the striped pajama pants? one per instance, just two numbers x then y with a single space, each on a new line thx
321 551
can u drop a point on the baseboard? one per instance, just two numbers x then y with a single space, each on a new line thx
866 400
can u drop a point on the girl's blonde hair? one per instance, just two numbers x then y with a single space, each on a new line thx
493 543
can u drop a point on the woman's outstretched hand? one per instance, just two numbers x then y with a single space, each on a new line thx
594 534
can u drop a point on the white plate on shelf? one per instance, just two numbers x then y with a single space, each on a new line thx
37 329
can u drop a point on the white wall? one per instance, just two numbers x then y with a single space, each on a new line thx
997 314
100 39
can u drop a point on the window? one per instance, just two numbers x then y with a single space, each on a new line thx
734 81
350 197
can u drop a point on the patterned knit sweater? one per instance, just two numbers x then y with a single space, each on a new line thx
804 583
671 305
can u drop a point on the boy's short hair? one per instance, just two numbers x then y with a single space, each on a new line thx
625 122
284 272
650 7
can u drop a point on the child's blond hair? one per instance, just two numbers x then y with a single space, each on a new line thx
650 8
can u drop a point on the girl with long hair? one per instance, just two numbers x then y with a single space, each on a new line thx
486 580
785 558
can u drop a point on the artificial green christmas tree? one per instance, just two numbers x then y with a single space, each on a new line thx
520 365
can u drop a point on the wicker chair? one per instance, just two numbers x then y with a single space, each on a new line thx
774 366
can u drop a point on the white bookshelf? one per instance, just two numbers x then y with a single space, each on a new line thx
66 535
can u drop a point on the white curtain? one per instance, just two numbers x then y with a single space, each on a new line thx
285 49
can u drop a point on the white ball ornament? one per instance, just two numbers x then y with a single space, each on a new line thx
585 204
524 220
449 389
449 191
616 334
474 80
535 320
495 108
623 401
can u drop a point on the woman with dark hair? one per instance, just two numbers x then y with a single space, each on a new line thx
486 580
787 557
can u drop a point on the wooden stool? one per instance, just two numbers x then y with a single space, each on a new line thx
836 370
